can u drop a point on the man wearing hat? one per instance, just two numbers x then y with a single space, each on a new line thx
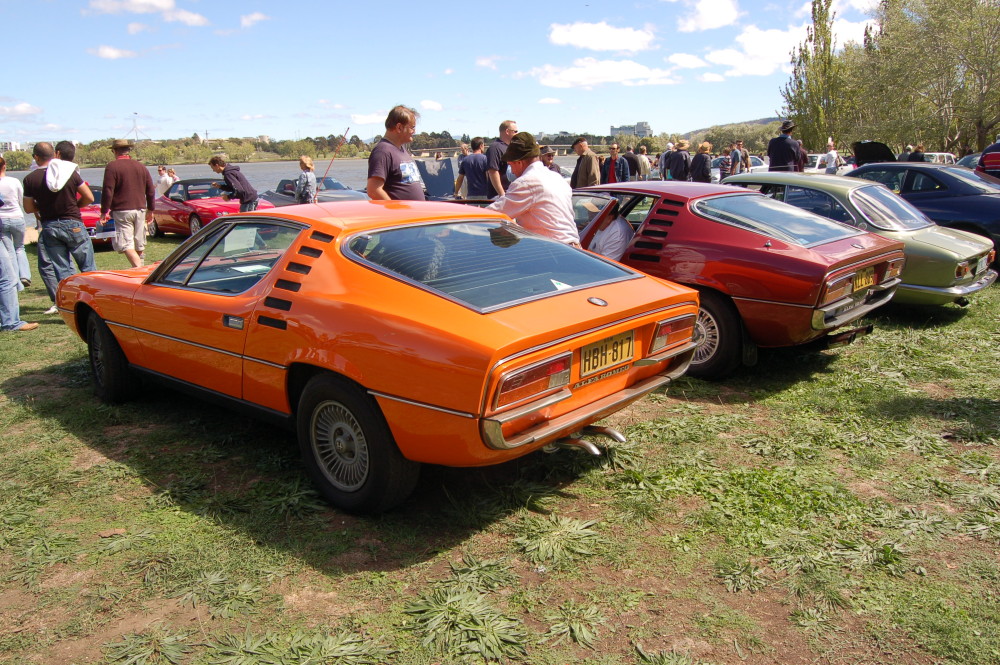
538 199
127 196
548 157
783 150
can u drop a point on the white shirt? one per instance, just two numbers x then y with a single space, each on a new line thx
12 193
828 160
163 184
612 240
541 201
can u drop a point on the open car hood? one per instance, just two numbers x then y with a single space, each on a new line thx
867 152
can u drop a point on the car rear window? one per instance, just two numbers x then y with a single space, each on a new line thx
887 211
779 220
483 265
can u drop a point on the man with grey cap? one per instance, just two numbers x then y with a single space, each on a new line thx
127 196
538 199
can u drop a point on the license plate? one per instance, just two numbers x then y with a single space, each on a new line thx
981 266
609 352
864 278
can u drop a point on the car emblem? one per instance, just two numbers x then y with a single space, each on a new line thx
597 301
857 245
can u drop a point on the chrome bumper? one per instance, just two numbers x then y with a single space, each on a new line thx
984 281
846 310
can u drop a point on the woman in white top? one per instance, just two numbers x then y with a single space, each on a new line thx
12 225
829 160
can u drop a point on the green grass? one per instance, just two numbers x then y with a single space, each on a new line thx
838 506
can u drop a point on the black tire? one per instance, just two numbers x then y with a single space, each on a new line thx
348 449
720 335
114 380
194 224
153 229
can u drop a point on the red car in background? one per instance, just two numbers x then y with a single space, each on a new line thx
91 215
191 204
769 274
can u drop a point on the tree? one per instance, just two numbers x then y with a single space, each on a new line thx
17 160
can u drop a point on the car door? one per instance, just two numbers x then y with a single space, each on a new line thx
193 312
171 212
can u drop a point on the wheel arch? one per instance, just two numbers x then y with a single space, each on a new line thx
300 374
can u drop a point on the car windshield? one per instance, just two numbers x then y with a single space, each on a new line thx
202 190
985 184
885 210
764 215
484 265
329 183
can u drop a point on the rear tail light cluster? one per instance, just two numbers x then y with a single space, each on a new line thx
838 288
535 380
895 269
671 332
963 270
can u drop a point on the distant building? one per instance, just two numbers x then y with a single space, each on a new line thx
6 146
639 129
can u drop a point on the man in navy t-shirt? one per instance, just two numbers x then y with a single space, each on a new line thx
392 173
473 170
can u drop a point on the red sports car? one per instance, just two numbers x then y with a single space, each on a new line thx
100 236
770 274
191 204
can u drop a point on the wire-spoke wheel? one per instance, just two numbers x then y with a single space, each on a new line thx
194 223
348 448
719 338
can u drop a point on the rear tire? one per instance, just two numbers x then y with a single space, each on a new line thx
114 380
348 448
194 224
153 229
720 334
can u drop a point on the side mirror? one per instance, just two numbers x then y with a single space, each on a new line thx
177 197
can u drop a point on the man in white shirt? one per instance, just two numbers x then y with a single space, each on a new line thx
540 200
612 238
163 182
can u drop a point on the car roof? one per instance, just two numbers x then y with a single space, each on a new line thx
821 181
358 215
675 188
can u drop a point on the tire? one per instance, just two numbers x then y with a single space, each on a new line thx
114 380
720 334
348 449
194 224
153 229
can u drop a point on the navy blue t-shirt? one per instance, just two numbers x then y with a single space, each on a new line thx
494 161
396 167
473 167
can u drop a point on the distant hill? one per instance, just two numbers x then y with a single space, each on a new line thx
760 121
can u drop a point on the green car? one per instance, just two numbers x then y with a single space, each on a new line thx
942 265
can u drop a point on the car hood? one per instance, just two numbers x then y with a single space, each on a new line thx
868 152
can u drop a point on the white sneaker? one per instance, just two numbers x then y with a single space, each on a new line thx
52 310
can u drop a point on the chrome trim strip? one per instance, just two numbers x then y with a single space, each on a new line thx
987 278
197 345
396 398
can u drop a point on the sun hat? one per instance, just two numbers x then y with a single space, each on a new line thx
522 146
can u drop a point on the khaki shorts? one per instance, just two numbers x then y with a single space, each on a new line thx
130 230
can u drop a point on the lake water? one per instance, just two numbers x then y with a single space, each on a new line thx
265 175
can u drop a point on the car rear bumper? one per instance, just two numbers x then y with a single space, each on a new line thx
846 310
935 295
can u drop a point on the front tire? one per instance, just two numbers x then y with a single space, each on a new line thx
194 224
114 380
348 449
720 335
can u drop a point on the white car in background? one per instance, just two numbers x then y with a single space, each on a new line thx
756 164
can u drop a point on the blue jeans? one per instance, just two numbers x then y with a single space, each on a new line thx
67 239
12 234
46 271
248 207
10 312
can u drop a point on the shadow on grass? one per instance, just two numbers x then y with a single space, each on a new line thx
249 476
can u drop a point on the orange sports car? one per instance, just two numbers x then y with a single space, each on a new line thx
389 334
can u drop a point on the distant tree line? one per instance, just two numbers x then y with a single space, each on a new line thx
926 73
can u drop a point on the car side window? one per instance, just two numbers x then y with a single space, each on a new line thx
776 192
176 190
892 179
233 258
637 210
818 202
923 182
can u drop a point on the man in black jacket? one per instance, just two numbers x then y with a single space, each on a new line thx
783 151
236 186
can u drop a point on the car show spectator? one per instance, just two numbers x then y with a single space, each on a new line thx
496 167
305 186
163 181
392 173
905 155
664 159
644 165
917 155
548 157
830 160
12 225
632 160
679 162
989 161
614 168
10 310
726 161
128 196
736 158
236 186
472 172
587 170
538 199
783 150
63 236
173 175
803 159
612 238
701 163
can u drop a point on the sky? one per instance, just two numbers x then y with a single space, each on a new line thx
164 69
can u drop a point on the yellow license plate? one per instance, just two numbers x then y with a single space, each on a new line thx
609 352
864 278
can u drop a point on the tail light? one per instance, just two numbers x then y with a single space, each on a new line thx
895 269
836 289
535 380
671 332
962 270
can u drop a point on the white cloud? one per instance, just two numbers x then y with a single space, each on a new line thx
600 37
19 110
707 14
449 71
686 61
111 53
250 19
590 72
549 100
131 6
760 52
185 17
377 118
430 105
488 61
256 116
136 28
711 77
850 31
